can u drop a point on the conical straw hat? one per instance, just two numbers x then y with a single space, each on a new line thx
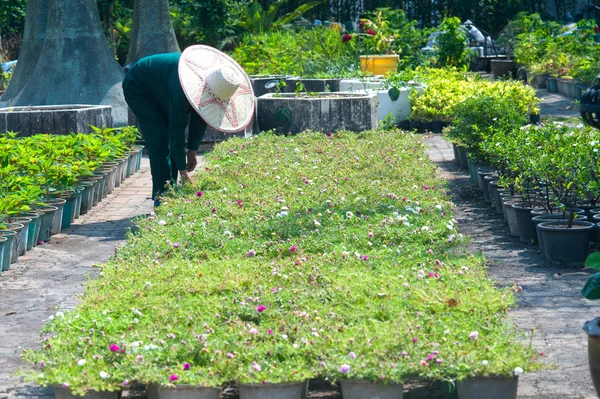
217 87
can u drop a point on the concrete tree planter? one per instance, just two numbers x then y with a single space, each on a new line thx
312 85
63 119
566 245
328 112
488 387
182 392
296 390
358 389
592 328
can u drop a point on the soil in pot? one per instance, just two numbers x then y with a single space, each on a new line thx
488 388
182 392
592 328
49 214
526 227
65 393
358 389
8 248
273 391
566 245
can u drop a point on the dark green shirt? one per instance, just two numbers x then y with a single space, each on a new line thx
158 76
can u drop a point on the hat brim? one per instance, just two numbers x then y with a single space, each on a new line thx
231 116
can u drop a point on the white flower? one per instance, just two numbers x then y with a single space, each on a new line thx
162 223
296 150
148 284
60 315
421 274
81 362
349 215
484 363
51 317
137 312
284 336
316 222
103 375
438 207
518 371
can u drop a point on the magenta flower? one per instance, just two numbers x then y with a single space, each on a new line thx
344 369
293 248
186 366
261 308
214 210
270 332
114 348
125 383
176 245
414 340
251 253
199 194
365 257
173 377
65 385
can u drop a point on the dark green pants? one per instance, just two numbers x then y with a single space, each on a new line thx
154 124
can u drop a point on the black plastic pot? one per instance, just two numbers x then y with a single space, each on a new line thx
592 328
510 214
525 226
481 175
455 150
462 157
566 245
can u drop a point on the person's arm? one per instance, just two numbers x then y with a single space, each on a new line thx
197 128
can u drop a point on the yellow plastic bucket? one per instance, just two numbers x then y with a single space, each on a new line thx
379 64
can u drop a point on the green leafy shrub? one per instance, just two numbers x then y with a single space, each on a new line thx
316 53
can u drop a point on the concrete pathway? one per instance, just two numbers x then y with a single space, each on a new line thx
554 104
51 276
550 302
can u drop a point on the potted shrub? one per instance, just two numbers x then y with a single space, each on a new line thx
376 41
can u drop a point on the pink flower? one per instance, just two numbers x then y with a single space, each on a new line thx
173 377
344 369
230 355
176 245
251 253
114 348
261 308
293 248
65 385
186 366
474 335
404 354
256 366
438 361
199 194
270 332
352 355
253 331
424 363
365 257
125 383
414 340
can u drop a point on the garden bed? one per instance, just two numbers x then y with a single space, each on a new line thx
310 256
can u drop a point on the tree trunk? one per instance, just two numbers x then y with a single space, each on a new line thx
76 65
153 31
31 47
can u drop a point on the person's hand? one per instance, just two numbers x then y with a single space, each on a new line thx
185 177
192 161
